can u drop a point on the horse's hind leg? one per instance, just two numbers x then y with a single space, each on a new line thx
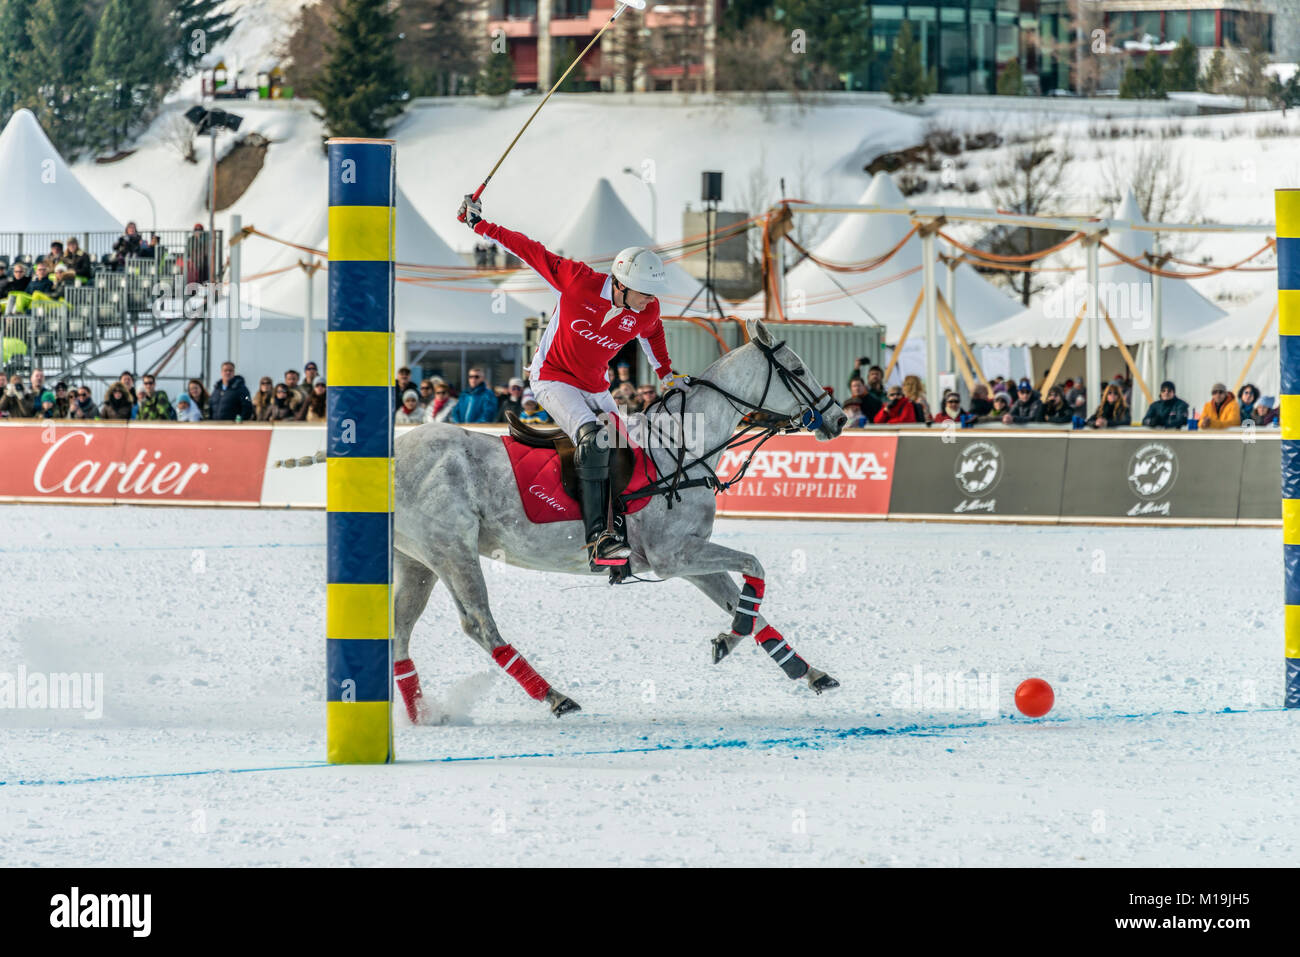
464 579
748 621
413 581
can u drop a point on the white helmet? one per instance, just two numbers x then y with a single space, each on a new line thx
639 269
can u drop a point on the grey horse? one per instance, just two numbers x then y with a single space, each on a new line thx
456 499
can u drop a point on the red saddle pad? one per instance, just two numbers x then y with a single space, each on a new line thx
537 474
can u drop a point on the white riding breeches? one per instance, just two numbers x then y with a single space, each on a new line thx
571 407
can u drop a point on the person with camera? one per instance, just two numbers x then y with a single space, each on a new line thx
17 402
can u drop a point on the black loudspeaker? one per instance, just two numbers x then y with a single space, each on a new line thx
711 187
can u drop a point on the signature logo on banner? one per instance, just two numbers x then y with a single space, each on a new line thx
978 469
1152 471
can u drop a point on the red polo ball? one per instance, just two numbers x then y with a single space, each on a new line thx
1034 697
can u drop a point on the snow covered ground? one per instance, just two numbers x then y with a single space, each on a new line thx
1167 745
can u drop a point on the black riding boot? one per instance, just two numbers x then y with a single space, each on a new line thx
591 462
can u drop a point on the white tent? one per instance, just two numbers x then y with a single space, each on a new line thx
1125 293
434 308
595 235
41 194
1218 352
877 297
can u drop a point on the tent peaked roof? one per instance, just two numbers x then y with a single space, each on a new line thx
813 292
41 193
463 310
595 235
1239 329
1124 291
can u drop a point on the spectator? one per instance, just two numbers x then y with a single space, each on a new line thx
230 401
534 414
1056 411
153 405
1027 408
951 410
187 410
853 409
197 254
646 394
869 404
1246 401
315 408
1000 410
1265 411
61 399
82 405
426 393
409 412
514 400
63 280
117 404
42 283
1168 411
18 282
309 375
200 404
980 403
78 261
1113 410
128 244
404 383
36 387
281 403
54 257
128 383
625 397
622 374
897 408
443 404
16 402
1221 412
298 393
915 392
262 399
478 403
49 406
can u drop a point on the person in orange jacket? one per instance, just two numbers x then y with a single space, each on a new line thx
1222 411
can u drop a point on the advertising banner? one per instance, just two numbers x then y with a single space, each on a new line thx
797 476
1261 480
177 463
986 475
1155 477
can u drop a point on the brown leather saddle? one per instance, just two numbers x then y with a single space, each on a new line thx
622 462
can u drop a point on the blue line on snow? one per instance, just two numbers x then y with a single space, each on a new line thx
155 548
811 739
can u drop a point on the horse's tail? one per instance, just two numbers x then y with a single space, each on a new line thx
301 462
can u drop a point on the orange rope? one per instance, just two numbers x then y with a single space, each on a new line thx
865 265
1138 264
1026 257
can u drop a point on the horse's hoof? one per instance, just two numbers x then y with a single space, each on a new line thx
820 681
563 704
721 648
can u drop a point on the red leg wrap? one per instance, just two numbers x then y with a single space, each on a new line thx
755 583
408 683
534 685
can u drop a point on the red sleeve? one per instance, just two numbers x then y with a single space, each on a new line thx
559 273
658 347
882 416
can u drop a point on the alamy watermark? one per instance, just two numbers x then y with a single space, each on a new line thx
53 691
946 691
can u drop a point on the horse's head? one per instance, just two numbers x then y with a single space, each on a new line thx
793 389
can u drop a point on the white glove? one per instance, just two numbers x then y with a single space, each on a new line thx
471 211
673 380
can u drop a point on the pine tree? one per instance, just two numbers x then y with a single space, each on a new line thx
1180 73
196 27
128 68
1153 77
838 34
1011 81
18 88
498 77
440 44
1216 72
567 53
362 89
1286 95
61 41
906 80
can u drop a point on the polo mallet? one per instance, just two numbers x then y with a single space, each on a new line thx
623 5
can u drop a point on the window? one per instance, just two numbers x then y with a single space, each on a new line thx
983 75
926 34
1148 24
1203 28
954 59
521 9
1177 25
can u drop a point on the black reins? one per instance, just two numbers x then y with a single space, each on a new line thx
811 408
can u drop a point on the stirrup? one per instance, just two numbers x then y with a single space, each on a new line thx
608 549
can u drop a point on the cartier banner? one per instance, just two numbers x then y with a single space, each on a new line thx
59 462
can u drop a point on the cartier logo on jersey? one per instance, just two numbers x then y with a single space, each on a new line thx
583 328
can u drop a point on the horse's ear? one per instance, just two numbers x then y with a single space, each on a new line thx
759 331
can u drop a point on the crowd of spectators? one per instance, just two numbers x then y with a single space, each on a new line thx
1010 402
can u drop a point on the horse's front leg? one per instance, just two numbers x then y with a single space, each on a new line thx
706 565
